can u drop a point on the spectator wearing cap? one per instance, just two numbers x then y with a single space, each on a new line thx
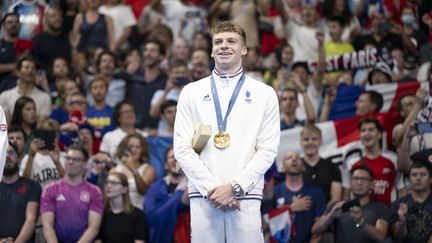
380 74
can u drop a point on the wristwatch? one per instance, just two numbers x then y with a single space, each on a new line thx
236 189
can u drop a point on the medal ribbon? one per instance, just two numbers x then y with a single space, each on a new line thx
222 123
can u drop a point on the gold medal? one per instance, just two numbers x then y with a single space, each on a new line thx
221 140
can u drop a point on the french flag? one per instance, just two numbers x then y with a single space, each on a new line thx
341 137
280 224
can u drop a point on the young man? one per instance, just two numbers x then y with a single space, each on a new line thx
364 221
382 163
306 202
100 115
142 84
168 112
26 73
415 209
228 175
369 101
17 136
319 172
19 202
74 205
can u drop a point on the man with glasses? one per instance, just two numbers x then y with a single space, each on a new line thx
360 220
19 202
72 203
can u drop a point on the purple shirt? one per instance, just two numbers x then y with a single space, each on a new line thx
71 205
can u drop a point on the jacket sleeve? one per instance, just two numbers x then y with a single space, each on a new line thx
266 147
197 173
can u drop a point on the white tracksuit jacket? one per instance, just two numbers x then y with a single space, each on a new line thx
253 126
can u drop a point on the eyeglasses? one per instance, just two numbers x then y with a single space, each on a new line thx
113 183
361 179
73 159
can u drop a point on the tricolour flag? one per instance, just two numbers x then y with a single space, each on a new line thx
280 224
341 137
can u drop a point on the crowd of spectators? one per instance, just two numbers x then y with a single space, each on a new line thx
90 87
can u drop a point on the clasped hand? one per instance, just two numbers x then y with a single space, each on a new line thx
223 198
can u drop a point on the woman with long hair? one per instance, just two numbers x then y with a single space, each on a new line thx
25 116
340 8
122 222
134 156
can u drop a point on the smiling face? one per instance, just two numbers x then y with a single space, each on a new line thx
228 50
370 135
310 142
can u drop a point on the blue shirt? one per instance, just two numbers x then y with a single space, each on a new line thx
303 221
102 119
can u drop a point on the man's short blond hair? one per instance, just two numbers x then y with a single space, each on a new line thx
310 128
228 26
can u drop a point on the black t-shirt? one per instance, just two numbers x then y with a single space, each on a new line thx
322 175
345 230
123 228
7 56
141 94
419 218
47 47
13 204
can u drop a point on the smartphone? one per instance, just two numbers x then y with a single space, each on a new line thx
180 81
48 137
424 127
346 206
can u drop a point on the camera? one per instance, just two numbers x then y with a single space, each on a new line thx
424 127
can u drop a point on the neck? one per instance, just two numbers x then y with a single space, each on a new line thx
373 152
311 159
171 129
108 76
53 32
27 128
129 129
289 118
74 180
294 182
24 87
175 179
9 38
228 70
116 204
420 196
99 104
364 200
150 73
10 179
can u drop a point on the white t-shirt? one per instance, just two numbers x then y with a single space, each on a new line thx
44 170
41 99
122 17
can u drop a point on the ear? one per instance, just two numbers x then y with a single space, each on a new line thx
244 51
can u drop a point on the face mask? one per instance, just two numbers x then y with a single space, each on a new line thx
408 19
